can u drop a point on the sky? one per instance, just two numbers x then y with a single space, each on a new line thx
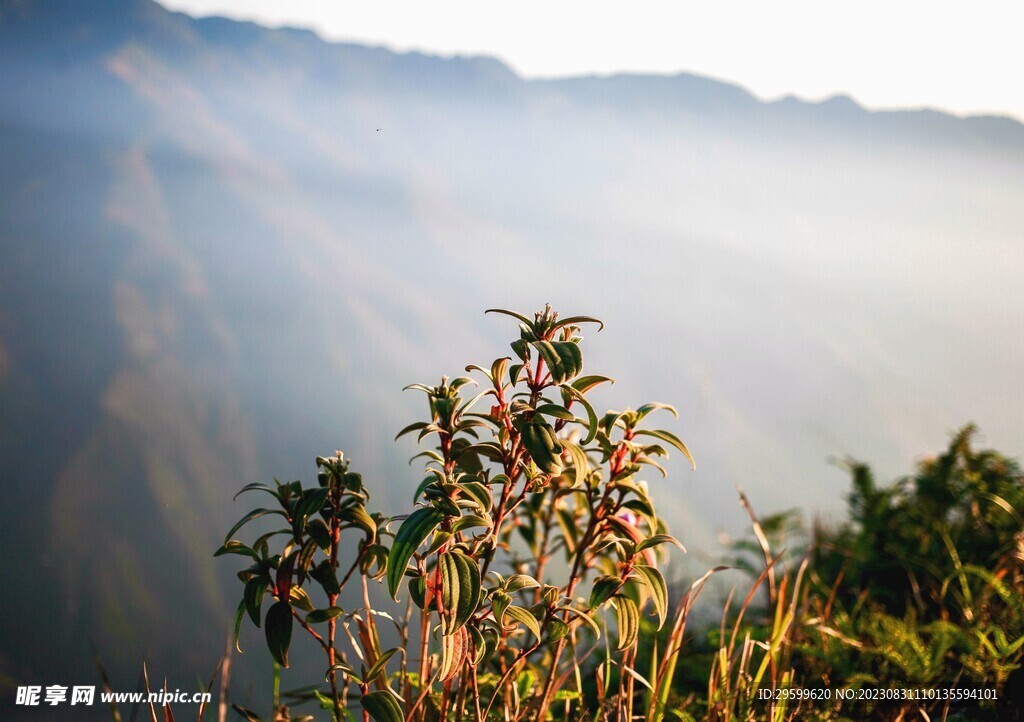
956 56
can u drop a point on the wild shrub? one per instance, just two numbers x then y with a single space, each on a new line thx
526 564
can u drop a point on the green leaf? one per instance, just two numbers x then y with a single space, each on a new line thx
382 660
312 501
513 314
576 320
584 617
252 597
237 547
298 597
584 383
440 538
305 560
323 574
570 531
517 582
418 591
382 706
408 539
592 421
499 603
468 460
498 368
254 514
658 539
417 426
345 670
488 449
671 438
603 589
544 447
239 616
257 487
627 617
522 350
460 590
648 408
428 430
457 383
579 462
357 516
612 419
319 533
556 629
470 521
525 618
659 591
478 493
479 645
279 631
555 411
318 616
563 358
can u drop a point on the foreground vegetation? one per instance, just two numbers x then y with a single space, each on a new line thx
527 580
913 606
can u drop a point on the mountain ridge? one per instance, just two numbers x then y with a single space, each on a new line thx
218 30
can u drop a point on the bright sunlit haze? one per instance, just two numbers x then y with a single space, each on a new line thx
885 55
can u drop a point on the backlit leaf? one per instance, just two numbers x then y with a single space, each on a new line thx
278 629
410 535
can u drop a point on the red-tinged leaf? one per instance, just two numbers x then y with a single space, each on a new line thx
454 650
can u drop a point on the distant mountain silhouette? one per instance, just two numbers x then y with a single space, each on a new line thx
221 244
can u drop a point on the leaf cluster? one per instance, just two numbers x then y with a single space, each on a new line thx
530 534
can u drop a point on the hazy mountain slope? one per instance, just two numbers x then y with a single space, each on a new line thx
225 249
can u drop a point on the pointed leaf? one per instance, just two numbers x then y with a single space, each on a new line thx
544 447
322 615
410 535
513 314
525 618
577 320
592 421
382 706
279 631
671 438
659 539
381 663
659 591
627 617
239 616
254 514
648 408
252 597
417 426
563 358
236 547
584 383
555 411
460 590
